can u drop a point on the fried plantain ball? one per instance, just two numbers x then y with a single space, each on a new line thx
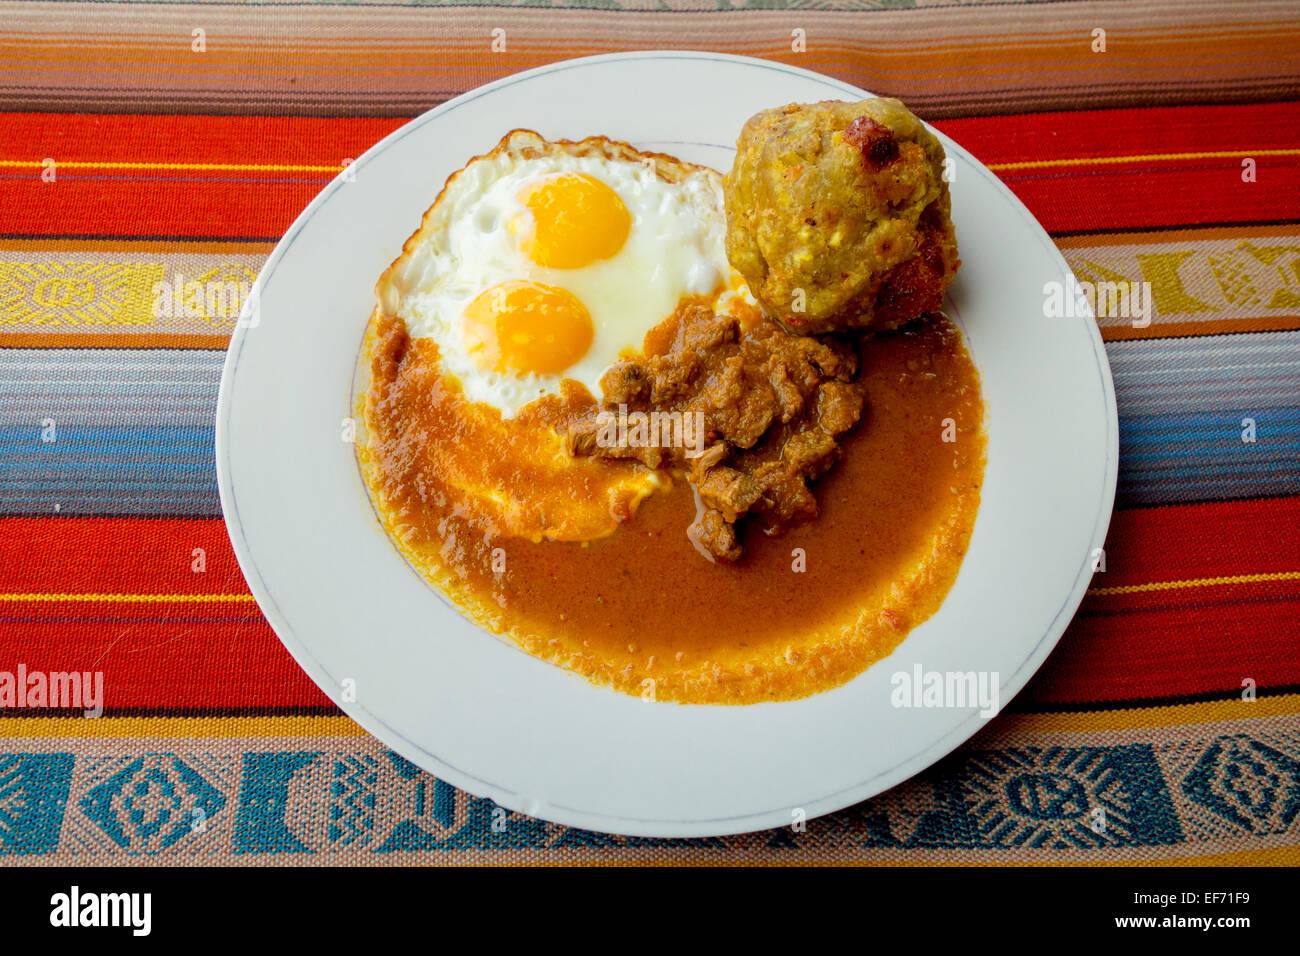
838 215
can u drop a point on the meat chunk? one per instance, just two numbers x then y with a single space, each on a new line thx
714 536
839 406
733 408
728 491
772 407
809 452
626 383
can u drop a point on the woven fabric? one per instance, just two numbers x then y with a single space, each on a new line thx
130 157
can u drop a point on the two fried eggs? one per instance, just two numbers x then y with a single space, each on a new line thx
546 261
539 266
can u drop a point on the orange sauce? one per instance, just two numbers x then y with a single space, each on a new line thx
641 611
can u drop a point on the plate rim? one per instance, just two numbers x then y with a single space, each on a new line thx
915 762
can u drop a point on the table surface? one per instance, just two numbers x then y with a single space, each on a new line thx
149 142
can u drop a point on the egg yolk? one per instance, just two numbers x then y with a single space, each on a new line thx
524 327
576 220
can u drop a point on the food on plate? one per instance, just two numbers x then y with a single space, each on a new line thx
771 407
535 269
584 426
838 215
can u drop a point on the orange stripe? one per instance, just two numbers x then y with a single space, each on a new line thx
471 71
1070 722
1148 237
1046 51
176 246
182 340
1012 39
1142 718
1171 330
525 41
110 340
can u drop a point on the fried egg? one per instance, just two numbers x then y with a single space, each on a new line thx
538 266
542 262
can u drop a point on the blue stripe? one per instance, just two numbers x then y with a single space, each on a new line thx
133 431
135 436
1182 403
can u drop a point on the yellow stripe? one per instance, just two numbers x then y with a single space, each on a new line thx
300 168
103 727
339 726
1146 157
223 167
815 855
247 598
1197 583
132 598
1140 718
1264 856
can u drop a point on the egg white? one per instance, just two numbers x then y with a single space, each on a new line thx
675 248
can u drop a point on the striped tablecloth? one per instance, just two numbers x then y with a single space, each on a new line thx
141 143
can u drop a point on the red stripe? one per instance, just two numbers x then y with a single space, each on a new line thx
1185 641
296 140
148 202
1174 644
1126 132
159 209
176 655
1143 194
1165 193
1215 539
186 655
117 556
1158 195
166 657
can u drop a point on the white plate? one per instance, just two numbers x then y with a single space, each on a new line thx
490 719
